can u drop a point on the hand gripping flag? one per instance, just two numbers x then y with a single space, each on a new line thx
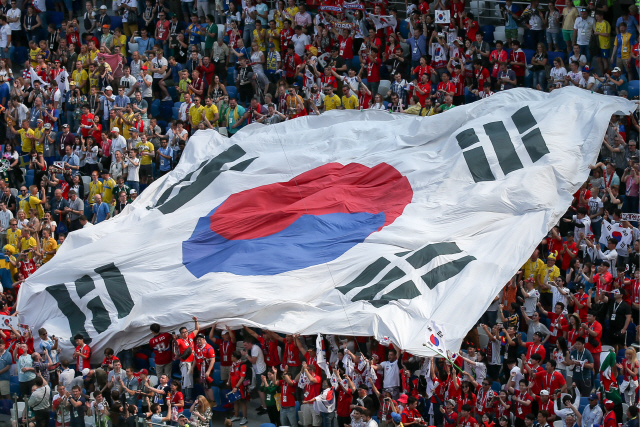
624 236
349 223
381 21
62 79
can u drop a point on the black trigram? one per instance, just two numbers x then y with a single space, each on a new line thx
118 291
502 145
408 289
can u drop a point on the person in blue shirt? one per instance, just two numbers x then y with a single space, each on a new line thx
145 42
100 210
235 119
166 155
4 92
52 115
631 22
5 365
418 44
194 30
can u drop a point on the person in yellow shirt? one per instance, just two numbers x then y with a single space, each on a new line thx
211 114
622 48
260 36
108 184
532 266
603 31
93 51
119 39
95 187
37 140
147 154
27 242
81 78
34 51
547 274
13 233
273 35
349 101
49 247
94 77
35 202
196 113
291 11
26 136
331 100
84 57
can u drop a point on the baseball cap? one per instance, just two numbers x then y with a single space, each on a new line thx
144 67
132 129
39 120
133 191
616 70
396 417
569 233
451 402
72 83
85 372
103 7
65 125
142 371
106 26
271 45
544 392
593 396
586 69
182 416
403 398
363 387
615 292
609 405
47 125
108 88
115 129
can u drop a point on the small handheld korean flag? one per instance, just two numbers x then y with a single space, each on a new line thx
443 17
321 356
435 339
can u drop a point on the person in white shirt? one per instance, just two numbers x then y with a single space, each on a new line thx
184 108
583 28
300 40
254 355
392 368
67 374
592 413
118 143
582 227
13 17
5 41
587 81
611 254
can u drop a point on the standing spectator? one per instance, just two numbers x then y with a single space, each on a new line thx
161 343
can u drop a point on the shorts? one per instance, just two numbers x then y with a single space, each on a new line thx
605 53
146 171
567 35
224 372
309 416
511 34
25 387
6 55
616 338
5 388
169 83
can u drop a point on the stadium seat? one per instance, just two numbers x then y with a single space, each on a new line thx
631 330
554 55
116 21
20 55
29 177
175 113
528 53
495 386
177 104
267 425
488 31
232 92
633 89
155 108
173 92
355 62
165 110
163 126
384 87
55 18
584 400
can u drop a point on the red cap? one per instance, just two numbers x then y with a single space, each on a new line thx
144 371
609 405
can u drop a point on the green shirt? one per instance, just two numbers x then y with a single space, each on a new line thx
213 28
445 107
270 392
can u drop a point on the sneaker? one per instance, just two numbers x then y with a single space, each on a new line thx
167 98
234 419
243 421
262 411
260 408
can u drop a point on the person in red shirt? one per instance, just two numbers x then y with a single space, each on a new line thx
518 61
237 377
345 46
109 358
290 63
206 68
328 79
592 329
288 413
546 404
480 74
581 302
205 359
470 26
458 81
609 415
465 419
373 70
410 415
364 96
549 379
185 344
309 354
86 120
522 400
604 279
226 347
162 347
82 354
450 417
535 347
497 58
312 387
559 324
568 251
177 398
291 355
346 390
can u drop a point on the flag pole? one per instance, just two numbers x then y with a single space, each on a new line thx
428 345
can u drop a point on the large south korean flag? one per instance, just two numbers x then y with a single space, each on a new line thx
352 223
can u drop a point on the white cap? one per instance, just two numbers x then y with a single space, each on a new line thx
85 372
115 129
103 7
108 88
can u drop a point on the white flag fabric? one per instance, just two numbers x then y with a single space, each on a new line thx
442 17
435 338
62 79
321 356
348 223
383 21
624 236
36 78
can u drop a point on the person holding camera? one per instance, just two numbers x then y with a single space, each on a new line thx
129 11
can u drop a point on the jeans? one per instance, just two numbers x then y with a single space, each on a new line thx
539 78
596 226
553 38
187 8
373 87
584 50
630 204
247 34
537 36
288 416
327 418
134 185
164 44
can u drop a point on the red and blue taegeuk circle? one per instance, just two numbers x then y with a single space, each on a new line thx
309 220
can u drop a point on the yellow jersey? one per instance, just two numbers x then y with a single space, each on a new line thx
145 147
292 11
331 102
262 45
125 131
531 268
79 77
604 27
196 114
95 187
37 132
350 103
107 190
210 112
49 245
13 237
276 38
547 274
23 202
33 54
34 203
26 244
26 141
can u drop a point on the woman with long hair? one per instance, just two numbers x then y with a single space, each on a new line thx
270 388
377 103
467 395
177 400
504 421
115 417
557 74
200 412
538 66
574 328
560 355
629 369
13 173
217 90
5 70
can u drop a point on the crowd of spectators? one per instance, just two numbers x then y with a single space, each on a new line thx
143 77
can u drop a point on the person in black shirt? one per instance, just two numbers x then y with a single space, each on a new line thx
10 200
619 318
121 203
132 416
78 407
362 400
